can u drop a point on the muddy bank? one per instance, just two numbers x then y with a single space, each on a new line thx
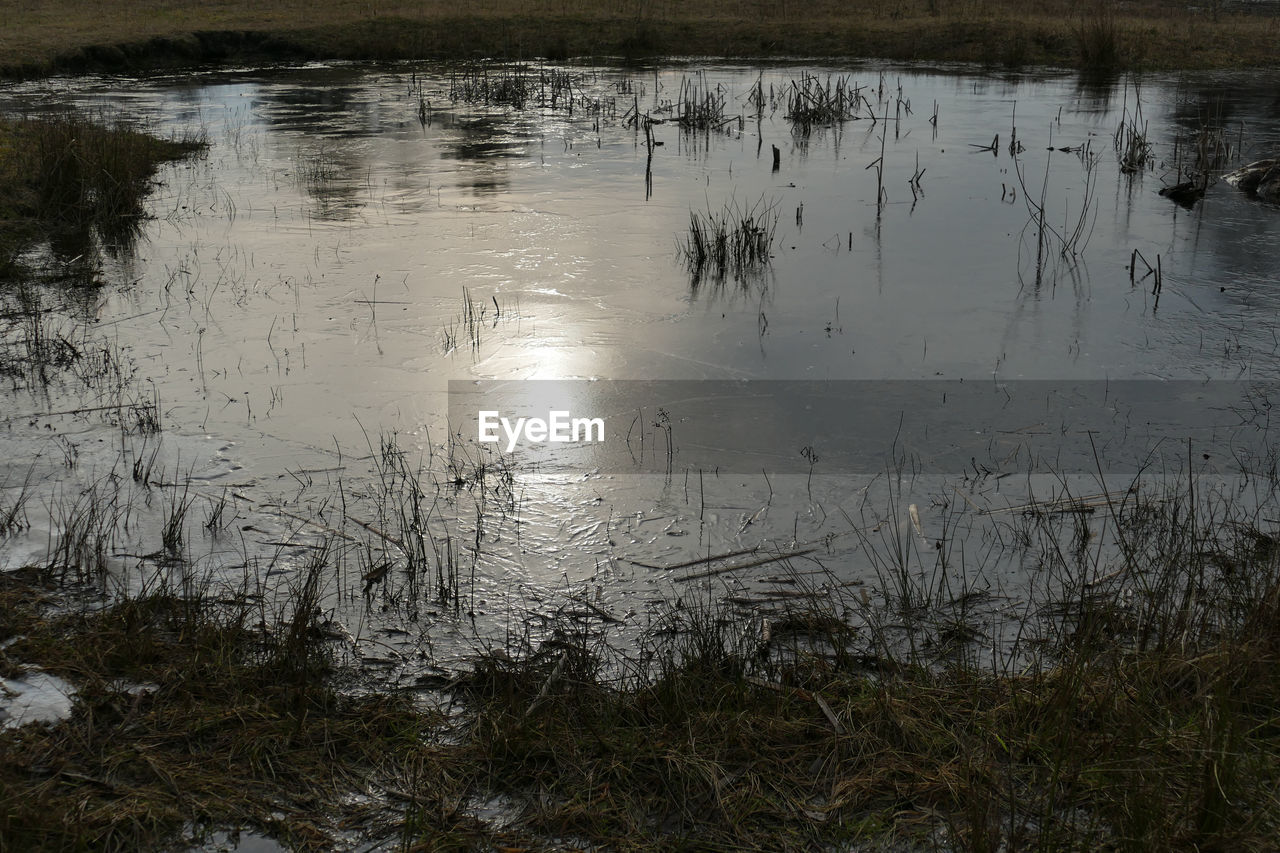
205 47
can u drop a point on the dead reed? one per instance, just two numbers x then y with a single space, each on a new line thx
70 173
811 102
701 107
735 242
1131 143
518 87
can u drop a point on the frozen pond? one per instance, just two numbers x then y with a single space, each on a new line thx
358 237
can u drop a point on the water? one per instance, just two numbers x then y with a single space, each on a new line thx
303 292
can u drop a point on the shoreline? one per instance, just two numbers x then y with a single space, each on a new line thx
140 35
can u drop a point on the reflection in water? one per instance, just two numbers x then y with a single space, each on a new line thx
327 173
957 260
314 283
482 144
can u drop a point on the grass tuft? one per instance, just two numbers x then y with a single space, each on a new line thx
735 242
74 181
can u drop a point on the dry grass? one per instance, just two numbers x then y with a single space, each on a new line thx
1146 720
1145 755
734 242
72 179
138 32
234 725
1141 715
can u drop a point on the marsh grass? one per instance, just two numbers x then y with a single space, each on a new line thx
406 505
426 555
13 506
476 319
35 345
78 178
1146 718
1097 36
517 86
511 86
41 348
811 102
71 187
1135 706
1201 156
735 242
1132 145
187 715
316 169
701 107
219 515
87 525
173 535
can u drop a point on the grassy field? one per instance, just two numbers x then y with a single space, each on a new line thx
63 34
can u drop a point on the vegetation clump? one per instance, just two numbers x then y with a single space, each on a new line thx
189 712
813 103
1097 36
72 180
516 86
1134 710
702 107
734 242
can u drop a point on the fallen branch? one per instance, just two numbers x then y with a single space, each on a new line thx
747 565
686 564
